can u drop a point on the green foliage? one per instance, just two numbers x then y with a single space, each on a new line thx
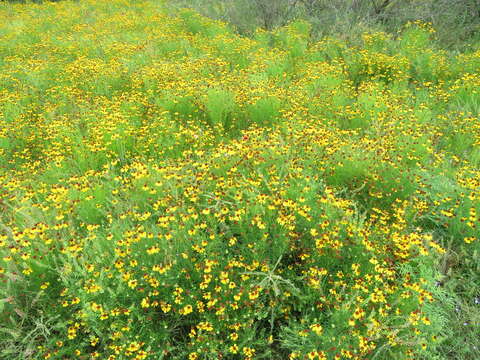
220 107
456 21
171 190
264 111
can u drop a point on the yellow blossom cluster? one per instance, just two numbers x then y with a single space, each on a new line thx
169 189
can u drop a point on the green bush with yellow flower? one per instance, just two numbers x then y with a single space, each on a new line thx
171 190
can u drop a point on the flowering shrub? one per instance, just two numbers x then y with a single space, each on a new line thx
169 190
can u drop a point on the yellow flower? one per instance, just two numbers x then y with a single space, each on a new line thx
133 346
145 303
469 240
233 349
247 351
317 329
188 309
254 294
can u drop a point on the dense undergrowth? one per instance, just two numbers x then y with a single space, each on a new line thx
170 190
456 22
